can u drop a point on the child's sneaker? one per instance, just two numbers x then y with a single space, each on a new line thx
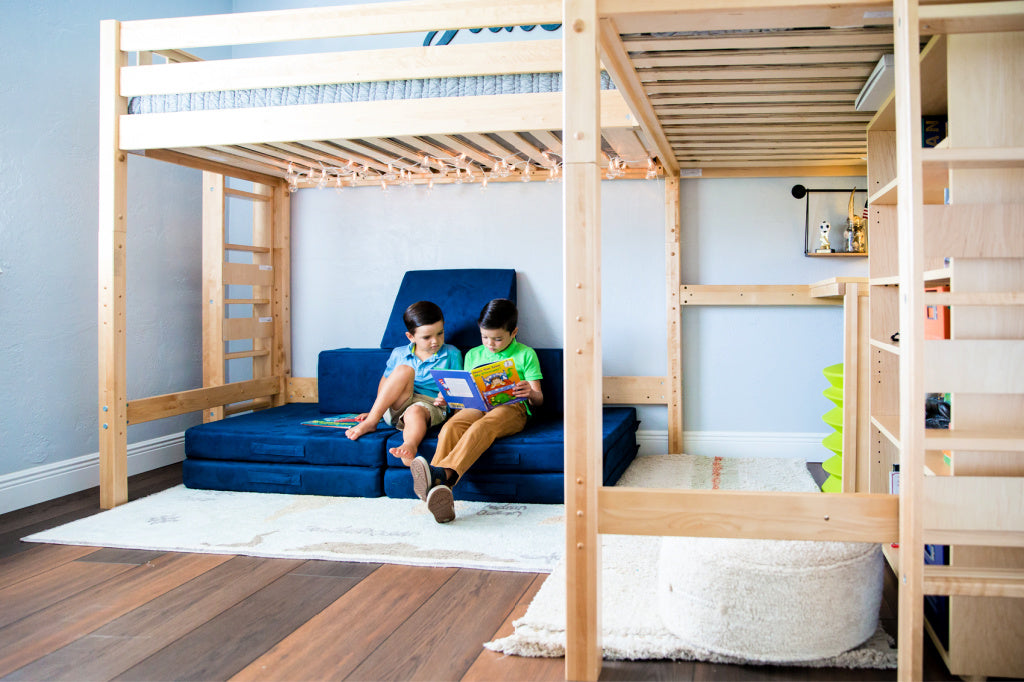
441 503
425 477
420 470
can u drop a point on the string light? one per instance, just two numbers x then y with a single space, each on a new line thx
460 169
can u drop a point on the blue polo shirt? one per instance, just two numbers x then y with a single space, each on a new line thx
448 357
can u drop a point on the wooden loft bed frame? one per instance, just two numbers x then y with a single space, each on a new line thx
699 103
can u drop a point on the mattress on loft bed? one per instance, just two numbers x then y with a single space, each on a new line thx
336 93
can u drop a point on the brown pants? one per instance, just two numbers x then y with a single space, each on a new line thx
468 433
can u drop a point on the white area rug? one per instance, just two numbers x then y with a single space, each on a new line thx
631 627
493 536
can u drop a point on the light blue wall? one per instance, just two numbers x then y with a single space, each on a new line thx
744 370
48 247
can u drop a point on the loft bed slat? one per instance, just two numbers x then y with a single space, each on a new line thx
467 149
664 16
780 97
494 59
627 145
834 37
403 151
849 71
719 59
661 88
548 138
340 154
332 22
357 149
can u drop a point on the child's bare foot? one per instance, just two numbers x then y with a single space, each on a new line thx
404 452
360 429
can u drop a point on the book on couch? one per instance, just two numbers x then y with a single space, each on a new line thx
482 388
341 421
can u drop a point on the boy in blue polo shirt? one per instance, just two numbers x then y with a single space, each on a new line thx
470 432
407 396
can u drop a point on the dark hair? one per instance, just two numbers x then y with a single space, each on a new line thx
421 313
499 313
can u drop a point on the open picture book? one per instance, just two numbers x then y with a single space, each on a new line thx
482 388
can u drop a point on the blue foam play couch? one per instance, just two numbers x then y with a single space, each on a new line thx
272 450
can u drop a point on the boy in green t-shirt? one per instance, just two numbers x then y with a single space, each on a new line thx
468 433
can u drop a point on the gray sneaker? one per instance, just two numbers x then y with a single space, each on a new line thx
441 503
420 470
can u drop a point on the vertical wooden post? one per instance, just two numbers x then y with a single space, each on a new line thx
213 287
112 230
581 250
851 335
280 304
909 175
863 468
673 282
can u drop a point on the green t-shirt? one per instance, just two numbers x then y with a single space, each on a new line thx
527 363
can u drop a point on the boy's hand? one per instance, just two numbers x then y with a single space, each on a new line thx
362 416
522 389
439 401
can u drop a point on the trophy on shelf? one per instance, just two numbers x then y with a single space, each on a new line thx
824 227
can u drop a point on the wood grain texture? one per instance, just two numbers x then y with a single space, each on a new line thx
443 637
64 621
125 641
223 645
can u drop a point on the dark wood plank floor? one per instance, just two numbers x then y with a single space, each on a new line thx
81 613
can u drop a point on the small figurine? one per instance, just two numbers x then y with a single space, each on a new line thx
823 230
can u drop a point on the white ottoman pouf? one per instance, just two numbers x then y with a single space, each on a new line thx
770 600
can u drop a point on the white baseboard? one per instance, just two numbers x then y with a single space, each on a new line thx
805 446
50 481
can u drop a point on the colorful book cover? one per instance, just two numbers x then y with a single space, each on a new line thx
340 421
482 388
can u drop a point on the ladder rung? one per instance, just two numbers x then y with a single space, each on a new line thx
247 247
974 157
974 582
970 298
1010 440
246 354
246 406
975 17
246 301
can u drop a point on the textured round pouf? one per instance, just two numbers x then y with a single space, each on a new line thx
770 600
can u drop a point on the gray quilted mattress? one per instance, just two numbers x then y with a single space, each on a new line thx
354 92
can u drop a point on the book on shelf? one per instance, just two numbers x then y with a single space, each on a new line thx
482 388
338 421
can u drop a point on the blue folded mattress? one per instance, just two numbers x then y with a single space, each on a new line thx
278 435
272 451
264 477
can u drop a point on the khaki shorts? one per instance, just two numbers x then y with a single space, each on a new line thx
396 418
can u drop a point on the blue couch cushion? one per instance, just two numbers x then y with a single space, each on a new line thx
278 435
554 396
461 293
277 477
347 378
